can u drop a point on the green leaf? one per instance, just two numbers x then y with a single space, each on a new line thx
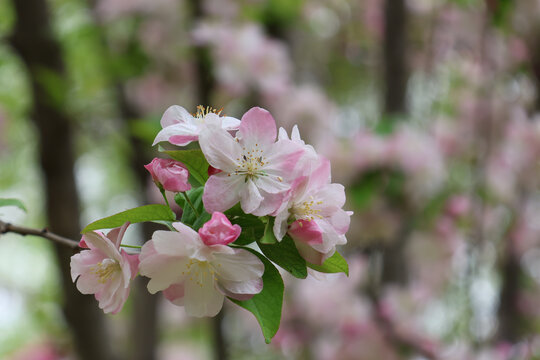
195 162
189 217
252 228
12 202
285 254
268 236
136 215
334 264
266 305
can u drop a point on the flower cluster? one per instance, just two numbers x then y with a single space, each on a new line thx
250 196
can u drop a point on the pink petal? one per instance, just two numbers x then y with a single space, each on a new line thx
321 175
221 192
332 197
306 231
82 262
103 244
308 253
257 127
175 294
340 220
116 235
270 205
182 140
131 262
283 157
219 230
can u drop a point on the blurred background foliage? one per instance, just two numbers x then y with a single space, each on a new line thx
426 108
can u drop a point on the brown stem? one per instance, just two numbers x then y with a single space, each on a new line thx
44 233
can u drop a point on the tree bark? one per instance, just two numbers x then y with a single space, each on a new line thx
394 57
394 95
33 41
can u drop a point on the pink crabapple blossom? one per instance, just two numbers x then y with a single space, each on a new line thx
319 223
103 269
255 169
181 128
197 270
169 174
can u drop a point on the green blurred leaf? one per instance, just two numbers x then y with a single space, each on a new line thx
56 87
334 264
195 162
145 129
266 305
12 202
136 215
285 254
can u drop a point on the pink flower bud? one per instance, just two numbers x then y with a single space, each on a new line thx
171 174
219 230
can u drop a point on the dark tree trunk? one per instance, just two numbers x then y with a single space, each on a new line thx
33 41
394 57
394 268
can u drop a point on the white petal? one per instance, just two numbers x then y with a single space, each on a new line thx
101 243
240 290
222 191
250 198
230 123
280 224
272 184
220 148
240 266
172 243
175 114
176 130
201 297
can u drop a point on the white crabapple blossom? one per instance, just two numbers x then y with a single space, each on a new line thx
255 169
197 270
103 269
181 128
315 206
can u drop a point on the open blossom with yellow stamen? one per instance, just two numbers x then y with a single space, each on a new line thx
180 127
256 170
197 270
315 206
103 269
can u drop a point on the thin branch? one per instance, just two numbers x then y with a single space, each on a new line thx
44 233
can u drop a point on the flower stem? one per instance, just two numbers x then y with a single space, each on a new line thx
131 246
190 203
162 190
